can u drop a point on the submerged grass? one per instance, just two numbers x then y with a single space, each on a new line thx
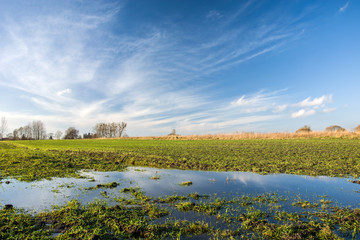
148 218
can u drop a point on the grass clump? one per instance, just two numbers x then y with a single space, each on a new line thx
186 183
107 185
16 224
156 177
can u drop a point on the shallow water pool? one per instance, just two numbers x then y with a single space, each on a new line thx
43 194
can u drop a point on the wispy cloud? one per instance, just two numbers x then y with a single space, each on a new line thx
309 102
343 8
65 91
214 14
327 110
261 101
155 81
244 102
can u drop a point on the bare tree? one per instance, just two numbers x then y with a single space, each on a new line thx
3 127
113 129
50 136
38 130
28 133
58 134
121 128
16 134
24 133
20 132
109 130
71 133
100 130
173 133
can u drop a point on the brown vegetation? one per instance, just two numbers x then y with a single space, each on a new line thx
304 129
335 128
252 135
357 129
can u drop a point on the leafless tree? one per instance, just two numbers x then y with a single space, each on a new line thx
58 134
50 136
121 128
113 128
38 130
109 130
16 134
100 130
173 133
28 133
20 132
3 127
71 133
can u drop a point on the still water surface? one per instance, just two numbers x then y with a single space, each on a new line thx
43 194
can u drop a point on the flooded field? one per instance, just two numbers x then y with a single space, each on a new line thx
246 189
40 195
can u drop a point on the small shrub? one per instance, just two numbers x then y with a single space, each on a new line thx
357 129
304 129
335 128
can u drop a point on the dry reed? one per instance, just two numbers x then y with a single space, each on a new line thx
252 135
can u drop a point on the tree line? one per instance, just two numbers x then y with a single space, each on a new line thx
36 131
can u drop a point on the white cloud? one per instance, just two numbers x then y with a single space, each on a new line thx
259 99
343 8
308 102
65 91
256 109
327 110
260 102
303 113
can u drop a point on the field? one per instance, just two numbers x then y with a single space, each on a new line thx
36 160
31 160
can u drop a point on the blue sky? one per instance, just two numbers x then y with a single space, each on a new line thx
195 66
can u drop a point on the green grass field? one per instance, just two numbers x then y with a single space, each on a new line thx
30 160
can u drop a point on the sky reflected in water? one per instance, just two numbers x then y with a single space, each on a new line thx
43 194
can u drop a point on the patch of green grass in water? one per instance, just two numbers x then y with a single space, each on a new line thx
186 183
106 185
